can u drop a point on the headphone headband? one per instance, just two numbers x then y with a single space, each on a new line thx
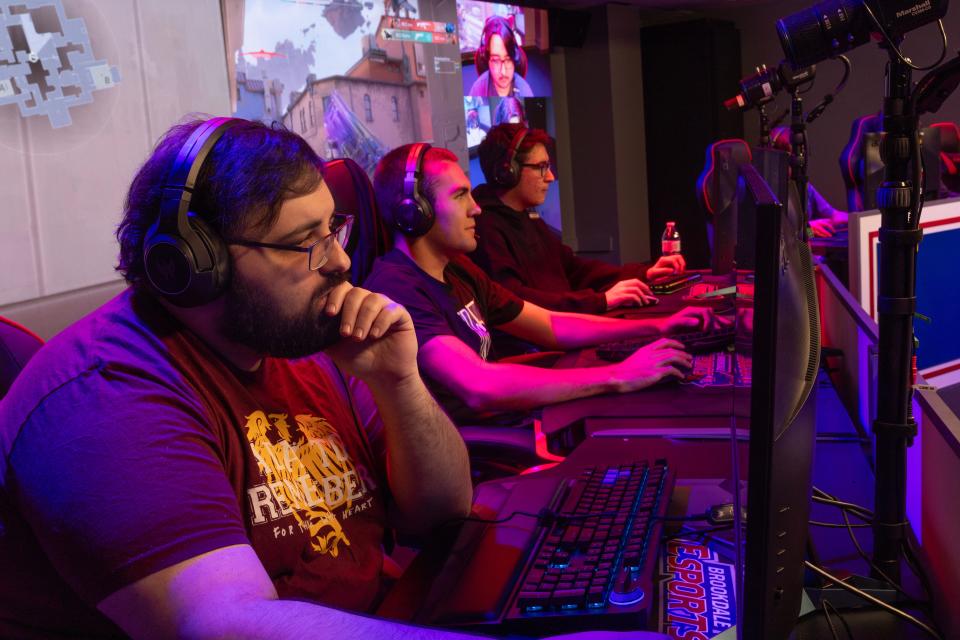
178 192
414 170
185 260
515 143
413 215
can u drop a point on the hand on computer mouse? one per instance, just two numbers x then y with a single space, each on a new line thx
689 319
667 265
650 364
633 293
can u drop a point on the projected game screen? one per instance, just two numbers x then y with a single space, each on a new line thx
350 77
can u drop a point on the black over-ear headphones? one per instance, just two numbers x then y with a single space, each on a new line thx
506 173
413 215
185 260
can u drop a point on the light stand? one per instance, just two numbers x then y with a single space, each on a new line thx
798 158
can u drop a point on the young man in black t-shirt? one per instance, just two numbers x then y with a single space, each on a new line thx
520 251
454 304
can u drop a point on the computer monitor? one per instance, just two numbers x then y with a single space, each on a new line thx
784 319
734 226
774 167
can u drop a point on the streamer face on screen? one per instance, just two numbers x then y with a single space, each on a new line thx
506 78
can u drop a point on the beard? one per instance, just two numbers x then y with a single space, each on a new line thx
254 319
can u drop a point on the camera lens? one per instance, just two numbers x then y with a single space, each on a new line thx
822 31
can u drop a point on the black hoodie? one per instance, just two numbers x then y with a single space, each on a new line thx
527 257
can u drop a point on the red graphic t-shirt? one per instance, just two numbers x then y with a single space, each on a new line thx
129 446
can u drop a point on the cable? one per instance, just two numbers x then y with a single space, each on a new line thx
909 555
826 614
837 525
818 110
856 509
846 506
828 499
701 517
827 603
896 50
700 532
880 603
543 514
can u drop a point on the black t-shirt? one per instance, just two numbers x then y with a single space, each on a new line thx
127 446
463 306
522 253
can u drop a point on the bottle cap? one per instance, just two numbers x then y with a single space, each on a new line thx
671 223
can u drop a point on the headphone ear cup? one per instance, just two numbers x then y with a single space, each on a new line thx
507 174
215 280
171 264
413 217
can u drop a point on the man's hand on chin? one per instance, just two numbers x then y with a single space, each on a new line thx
378 343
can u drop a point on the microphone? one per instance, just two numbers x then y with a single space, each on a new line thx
763 86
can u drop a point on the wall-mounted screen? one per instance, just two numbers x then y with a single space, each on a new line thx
506 78
350 77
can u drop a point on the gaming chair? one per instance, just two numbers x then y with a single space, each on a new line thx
353 193
853 166
949 155
17 346
717 191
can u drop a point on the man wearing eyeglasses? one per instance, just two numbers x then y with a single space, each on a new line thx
500 62
518 250
185 462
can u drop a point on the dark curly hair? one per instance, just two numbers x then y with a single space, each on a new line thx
391 171
500 26
244 181
494 148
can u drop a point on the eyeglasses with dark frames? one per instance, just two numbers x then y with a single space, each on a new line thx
543 167
317 253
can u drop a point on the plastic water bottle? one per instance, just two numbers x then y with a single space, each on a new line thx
670 240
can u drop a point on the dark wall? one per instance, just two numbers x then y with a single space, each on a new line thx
591 132
687 67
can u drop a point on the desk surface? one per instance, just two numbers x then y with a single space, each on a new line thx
841 468
693 494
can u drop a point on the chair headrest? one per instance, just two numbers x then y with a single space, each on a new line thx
851 157
717 184
353 193
949 137
17 346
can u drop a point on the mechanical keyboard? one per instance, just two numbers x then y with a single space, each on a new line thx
600 553
695 342
721 368
563 554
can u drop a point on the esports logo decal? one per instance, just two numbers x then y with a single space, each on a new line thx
697 592
47 64
309 475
